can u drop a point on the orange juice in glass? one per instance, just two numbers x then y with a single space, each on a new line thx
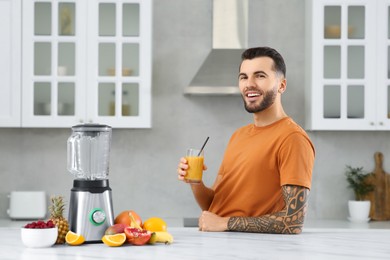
195 166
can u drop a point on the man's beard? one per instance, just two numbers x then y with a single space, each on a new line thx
268 100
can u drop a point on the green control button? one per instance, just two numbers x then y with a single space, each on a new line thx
97 216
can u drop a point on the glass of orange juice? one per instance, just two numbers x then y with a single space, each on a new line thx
195 159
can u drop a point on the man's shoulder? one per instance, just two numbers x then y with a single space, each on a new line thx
290 126
294 133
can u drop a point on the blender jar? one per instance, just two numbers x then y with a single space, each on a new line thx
89 151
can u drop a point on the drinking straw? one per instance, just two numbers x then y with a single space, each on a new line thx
201 149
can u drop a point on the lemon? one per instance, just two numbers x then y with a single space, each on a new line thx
155 224
114 240
74 239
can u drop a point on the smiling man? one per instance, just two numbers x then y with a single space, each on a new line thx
264 180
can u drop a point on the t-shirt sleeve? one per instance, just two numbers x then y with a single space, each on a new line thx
296 160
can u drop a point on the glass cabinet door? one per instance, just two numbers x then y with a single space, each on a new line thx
344 61
348 65
54 59
118 63
83 62
52 48
343 80
117 67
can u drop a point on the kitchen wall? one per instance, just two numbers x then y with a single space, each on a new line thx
144 161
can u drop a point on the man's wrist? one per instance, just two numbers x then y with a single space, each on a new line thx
229 224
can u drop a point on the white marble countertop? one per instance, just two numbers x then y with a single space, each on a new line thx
324 240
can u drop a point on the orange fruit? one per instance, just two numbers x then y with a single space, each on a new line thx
114 240
74 239
155 224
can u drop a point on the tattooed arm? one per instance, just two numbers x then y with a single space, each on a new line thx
288 221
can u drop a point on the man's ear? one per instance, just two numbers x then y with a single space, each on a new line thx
282 86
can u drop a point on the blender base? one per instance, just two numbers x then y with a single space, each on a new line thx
90 209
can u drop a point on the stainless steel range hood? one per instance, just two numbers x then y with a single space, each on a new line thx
234 22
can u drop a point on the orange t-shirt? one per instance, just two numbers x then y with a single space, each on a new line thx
257 162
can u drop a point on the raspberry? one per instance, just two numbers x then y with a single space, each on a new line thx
40 224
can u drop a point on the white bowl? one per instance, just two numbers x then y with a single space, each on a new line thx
34 237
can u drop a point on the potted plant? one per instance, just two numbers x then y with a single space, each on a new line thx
359 181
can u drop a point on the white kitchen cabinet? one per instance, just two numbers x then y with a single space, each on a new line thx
86 62
10 63
347 83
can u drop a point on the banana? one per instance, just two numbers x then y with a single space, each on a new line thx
161 237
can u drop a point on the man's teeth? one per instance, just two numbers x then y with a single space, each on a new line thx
253 94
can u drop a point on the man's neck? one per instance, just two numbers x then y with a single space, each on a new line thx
269 116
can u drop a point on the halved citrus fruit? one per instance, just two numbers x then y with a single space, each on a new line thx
155 224
114 240
74 239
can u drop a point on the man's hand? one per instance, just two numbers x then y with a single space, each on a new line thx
210 222
183 167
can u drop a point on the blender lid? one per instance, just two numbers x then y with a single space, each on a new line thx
91 128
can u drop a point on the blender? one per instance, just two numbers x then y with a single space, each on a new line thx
90 206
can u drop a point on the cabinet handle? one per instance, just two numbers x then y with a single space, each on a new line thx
380 123
372 123
81 121
90 120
